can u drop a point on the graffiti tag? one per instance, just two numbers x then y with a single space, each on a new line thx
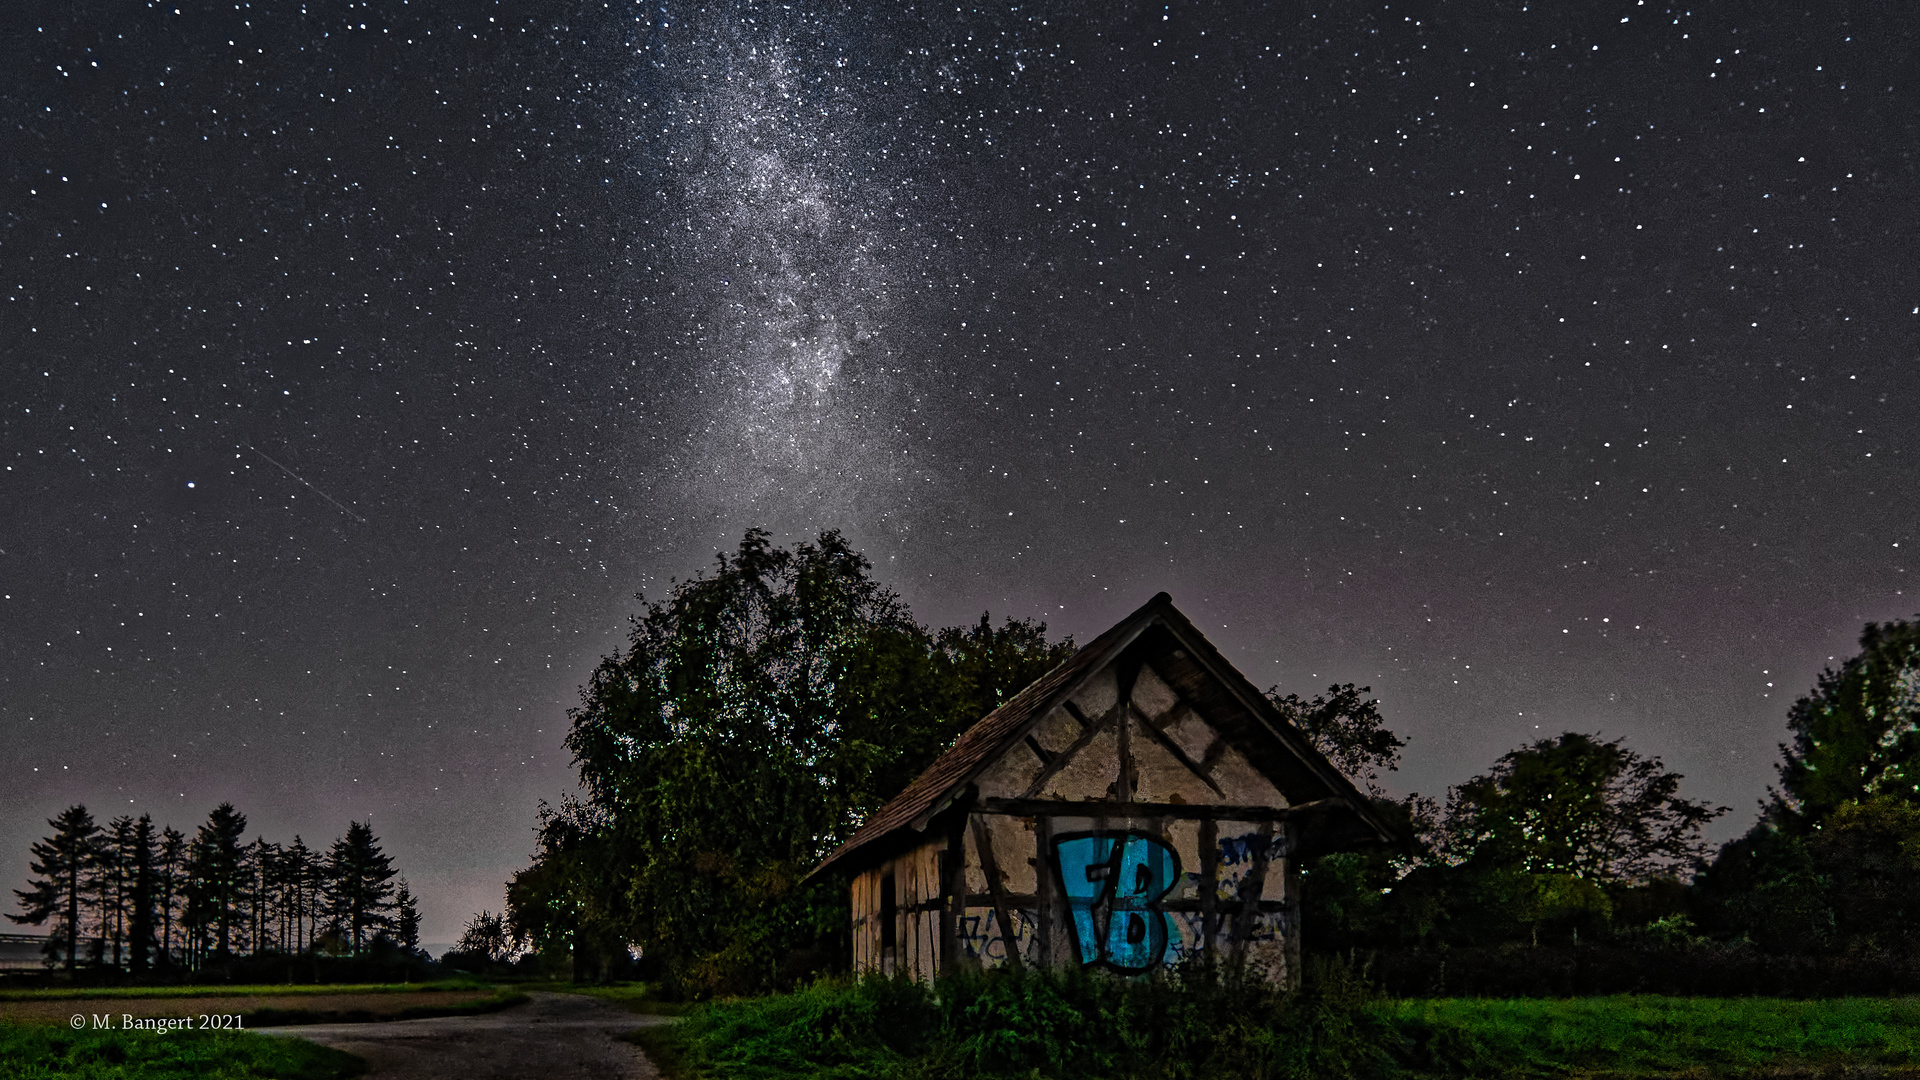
1113 883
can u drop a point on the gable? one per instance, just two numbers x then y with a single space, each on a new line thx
1191 730
1072 752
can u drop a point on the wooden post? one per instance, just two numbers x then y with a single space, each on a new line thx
1251 887
1043 886
1209 887
990 868
954 884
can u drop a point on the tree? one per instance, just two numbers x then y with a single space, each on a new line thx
170 874
113 860
1580 807
217 886
63 864
486 936
1346 726
143 895
406 919
359 884
1857 736
303 877
755 719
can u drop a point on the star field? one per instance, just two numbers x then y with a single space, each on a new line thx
1541 368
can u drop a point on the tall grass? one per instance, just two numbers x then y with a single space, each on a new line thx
1035 1025
1044 1026
45 1052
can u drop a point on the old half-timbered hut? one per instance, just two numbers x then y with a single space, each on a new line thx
1140 805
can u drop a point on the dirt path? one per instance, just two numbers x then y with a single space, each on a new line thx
552 1037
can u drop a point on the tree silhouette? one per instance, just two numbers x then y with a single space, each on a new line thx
64 864
170 876
142 894
406 919
1577 806
303 876
217 892
360 884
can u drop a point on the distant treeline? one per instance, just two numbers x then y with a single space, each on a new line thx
130 898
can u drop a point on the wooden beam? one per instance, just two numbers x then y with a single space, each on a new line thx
1056 808
1156 729
1074 711
1124 676
1039 751
1029 901
1251 887
1060 760
983 840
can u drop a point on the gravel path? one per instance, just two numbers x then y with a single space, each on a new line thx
552 1037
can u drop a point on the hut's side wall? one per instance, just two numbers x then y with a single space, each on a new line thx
917 897
866 921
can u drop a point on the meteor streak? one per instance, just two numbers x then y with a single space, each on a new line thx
310 487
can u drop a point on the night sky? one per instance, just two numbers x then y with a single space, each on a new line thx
1542 369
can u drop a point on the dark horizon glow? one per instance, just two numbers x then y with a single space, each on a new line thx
1543 370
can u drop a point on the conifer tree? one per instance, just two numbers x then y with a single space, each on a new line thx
406 919
143 895
302 874
63 864
360 885
169 886
113 858
217 891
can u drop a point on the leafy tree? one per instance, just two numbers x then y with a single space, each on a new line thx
1857 736
1577 806
486 936
569 906
360 884
1346 726
756 717
63 864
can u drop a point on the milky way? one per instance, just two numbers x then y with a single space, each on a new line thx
1541 369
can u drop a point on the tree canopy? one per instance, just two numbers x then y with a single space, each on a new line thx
1857 736
756 717
1578 806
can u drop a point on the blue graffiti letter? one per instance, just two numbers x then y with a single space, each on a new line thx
1113 883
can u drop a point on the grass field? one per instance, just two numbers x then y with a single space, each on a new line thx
1659 1036
43 1052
